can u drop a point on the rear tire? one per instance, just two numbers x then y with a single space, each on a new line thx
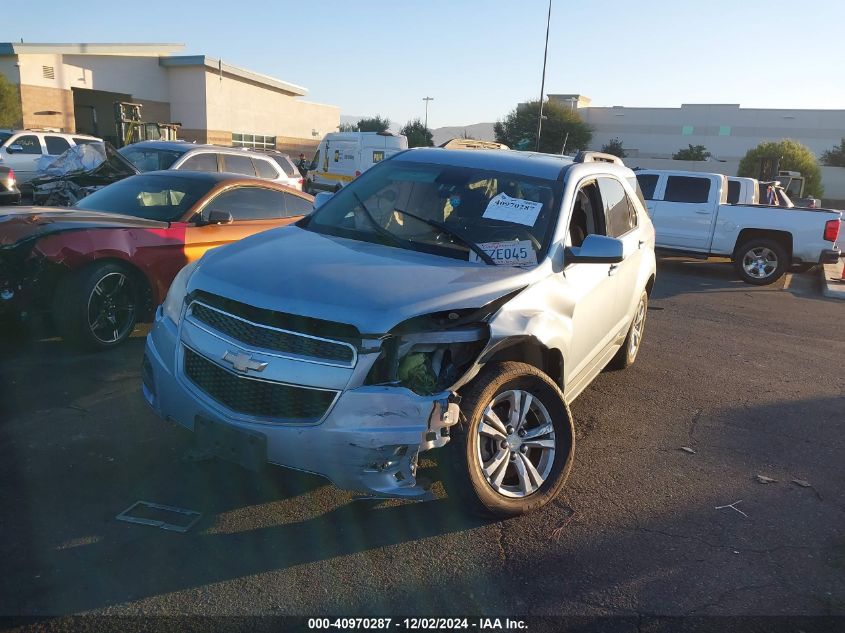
96 308
761 261
627 354
509 467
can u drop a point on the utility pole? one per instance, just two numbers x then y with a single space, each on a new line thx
543 81
427 99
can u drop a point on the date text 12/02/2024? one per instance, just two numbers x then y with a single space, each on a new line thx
413 624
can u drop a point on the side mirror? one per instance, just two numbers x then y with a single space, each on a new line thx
596 249
218 216
15 149
321 198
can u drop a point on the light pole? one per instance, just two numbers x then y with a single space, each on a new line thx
427 99
543 80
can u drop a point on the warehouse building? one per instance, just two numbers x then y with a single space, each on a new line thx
73 88
728 131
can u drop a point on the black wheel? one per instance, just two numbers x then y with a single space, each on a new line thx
96 307
627 354
761 261
514 451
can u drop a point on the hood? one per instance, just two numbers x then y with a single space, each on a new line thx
21 223
370 286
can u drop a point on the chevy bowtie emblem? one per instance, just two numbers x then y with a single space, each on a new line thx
243 362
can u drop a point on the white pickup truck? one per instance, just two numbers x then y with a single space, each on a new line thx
690 214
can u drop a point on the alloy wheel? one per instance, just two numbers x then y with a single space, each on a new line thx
111 308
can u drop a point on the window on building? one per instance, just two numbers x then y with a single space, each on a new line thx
200 162
255 141
56 145
238 164
648 183
265 169
620 216
687 130
724 130
29 143
250 203
687 189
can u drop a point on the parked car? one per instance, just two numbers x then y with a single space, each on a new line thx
9 192
21 150
104 264
78 172
465 295
343 156
691 216
154 155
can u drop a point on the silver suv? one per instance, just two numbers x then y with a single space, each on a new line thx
269 165
444 296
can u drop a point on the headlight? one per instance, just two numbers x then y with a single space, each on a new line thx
172 306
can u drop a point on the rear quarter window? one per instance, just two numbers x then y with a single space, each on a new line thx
265 169
733 192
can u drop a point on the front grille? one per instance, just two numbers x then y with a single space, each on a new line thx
265 337
256 397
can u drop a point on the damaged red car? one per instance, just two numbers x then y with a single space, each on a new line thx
102 266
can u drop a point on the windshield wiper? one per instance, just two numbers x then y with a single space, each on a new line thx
379 229
464 240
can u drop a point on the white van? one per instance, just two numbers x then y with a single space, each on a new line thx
343 156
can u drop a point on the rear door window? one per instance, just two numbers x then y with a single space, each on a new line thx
250 203
200 162
235 164
295 205
29 143
648 183
687 189
56 145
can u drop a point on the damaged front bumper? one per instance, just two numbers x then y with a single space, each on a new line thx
368 441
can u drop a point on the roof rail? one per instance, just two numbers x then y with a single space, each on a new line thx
597 157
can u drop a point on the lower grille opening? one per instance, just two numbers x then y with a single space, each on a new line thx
256 397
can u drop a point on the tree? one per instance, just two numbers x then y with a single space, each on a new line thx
835 157
10 104
614 146
793 157
519 128
347 127
693 152
418 134
375 124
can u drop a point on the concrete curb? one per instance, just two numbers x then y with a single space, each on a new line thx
831 287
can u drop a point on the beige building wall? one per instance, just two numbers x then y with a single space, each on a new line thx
240 106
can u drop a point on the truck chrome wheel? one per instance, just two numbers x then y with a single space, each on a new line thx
111 307
760 262
516 447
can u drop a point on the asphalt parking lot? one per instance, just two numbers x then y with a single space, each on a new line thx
752 379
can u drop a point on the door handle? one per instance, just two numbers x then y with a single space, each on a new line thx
640 243
703 212
612 270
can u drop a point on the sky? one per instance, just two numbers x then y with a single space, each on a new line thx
479 58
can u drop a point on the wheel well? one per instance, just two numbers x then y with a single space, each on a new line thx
649 285
529 350
783 238
140 278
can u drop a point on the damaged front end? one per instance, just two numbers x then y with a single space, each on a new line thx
26 280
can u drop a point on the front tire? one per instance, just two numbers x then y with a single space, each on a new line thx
515 450
761 261
96 307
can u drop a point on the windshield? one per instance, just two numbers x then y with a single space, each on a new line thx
445 210
154 197
151 159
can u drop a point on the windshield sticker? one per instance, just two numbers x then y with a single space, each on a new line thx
512 253
516 210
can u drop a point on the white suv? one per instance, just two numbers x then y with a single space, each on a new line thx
444 295
21 149
155 155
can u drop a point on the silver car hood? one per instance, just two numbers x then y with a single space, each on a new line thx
370 286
